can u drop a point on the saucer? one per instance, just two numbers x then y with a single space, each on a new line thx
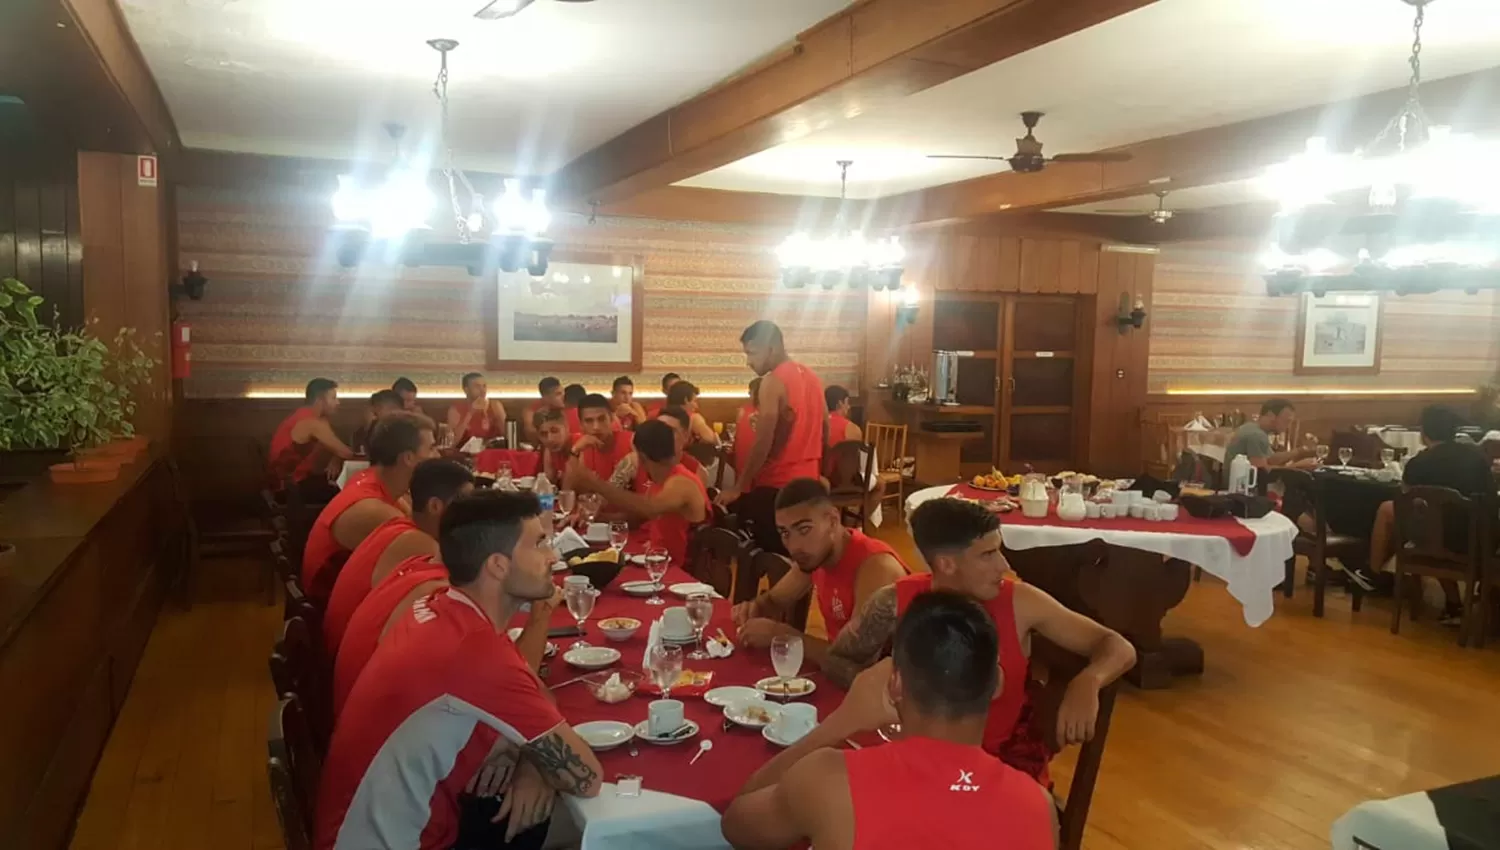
730 694
756 714
591 657
641 733
772 737
641 588
793 688
604 735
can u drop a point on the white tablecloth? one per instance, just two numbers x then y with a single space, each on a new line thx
351 468
652 821
1407 822
1251 578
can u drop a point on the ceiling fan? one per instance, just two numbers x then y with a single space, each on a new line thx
497 9
1028 157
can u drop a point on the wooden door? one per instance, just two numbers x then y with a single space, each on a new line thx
1040 342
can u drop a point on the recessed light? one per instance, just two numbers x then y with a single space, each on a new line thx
1005 206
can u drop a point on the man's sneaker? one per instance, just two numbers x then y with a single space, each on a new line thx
1452 617
1363 580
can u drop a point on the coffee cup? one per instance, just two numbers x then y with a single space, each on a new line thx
1108 510
794 720
575 581
1152 512
663 717
1123 497
1169 512
1091 510
675 624
1137 510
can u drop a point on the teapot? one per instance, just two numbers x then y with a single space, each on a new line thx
1071 507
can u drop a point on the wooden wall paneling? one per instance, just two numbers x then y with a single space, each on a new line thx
145 289
28 230
1031 266
1088 269
1137 357
1070 257
1010 264
1049 271
99 212
38 239
7 229
963 266
1102 389
53 221
1085 376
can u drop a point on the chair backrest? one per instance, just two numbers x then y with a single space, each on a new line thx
1301 494
1213 472
297 668
1059 667
293 767
283 564
889 442
703 452
712 556
846 471
1424 517
773 567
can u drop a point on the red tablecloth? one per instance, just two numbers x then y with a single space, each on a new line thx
1240 538
736 753
521 463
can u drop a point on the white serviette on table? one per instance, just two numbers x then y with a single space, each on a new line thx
653 640
568 540
473 446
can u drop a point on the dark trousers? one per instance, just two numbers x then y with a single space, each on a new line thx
475 832
756 510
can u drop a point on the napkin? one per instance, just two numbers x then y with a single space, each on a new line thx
568 541
717 649
653 640
1198 424
473 447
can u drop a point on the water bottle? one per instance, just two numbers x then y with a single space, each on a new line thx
546 495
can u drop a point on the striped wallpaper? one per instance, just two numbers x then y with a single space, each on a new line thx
279 310
1214 327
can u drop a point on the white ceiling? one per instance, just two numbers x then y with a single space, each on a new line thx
1172 67
318 77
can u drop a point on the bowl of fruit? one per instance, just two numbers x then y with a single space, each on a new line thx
994 481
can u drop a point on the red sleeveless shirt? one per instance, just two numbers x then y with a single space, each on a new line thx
838 427
362 632
357 577
475 423
290 458
835 583
323 550
670 531
922 792
744 440
802 452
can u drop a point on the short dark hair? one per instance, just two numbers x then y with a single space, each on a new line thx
1274 406
834 396
676 412
479 525
547 385
945 650
765 331
802 491
669 378
386 398
655 441
544 415
942 526
574 393
593 400
622 381
1440 424
468 376
317 386
438 479
681 393
404 385
395 434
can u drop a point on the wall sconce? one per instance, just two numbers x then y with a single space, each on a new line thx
906 311
1130 316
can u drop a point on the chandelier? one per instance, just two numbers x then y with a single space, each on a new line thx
1417 209
508 233
843 256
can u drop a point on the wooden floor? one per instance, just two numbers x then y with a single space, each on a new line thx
1291 725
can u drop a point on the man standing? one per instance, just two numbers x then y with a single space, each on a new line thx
477 415
407 389
935 786
601 447
845 566
1253 439
304 445
628 411
788 433
961 543
674 500
447 713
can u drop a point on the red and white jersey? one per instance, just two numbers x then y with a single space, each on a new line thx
442 687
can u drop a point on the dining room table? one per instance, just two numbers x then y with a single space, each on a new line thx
1352 496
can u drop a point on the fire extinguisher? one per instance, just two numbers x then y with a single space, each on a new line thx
182 350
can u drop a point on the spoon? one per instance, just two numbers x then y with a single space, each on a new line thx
703 747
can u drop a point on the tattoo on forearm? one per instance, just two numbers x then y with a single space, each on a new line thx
559 765
858 646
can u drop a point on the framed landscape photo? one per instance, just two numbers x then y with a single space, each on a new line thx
585 313
1339 334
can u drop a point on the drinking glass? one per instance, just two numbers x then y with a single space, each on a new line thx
590 504
1346 454
580 599
1321 452
729 429
567 500
1387 457
503 473
700 609
666 666
444 436
619 535
719 429
786 657
656 570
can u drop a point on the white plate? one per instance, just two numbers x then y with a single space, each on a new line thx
524 482
688 588
640 588
767 685
770 736
640 732
679 640
730 694
515 635
638 560
591 657
737 713
604 735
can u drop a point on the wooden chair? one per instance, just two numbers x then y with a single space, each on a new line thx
712 556
293 767
298 669
849 479
889 443
1052 669
1303 496
1423 515
772 566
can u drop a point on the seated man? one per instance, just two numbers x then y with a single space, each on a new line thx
602 447
675 499
628 412
685 395
551 392
1443 462
477 415
961 543
434 484
840 429
843 564
304 445
398 443
381 403
1253 439
935 786
554 445
447 705
629 472
667 381
407 389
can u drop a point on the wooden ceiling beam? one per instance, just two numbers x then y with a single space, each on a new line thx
102 25
870 55
1470 102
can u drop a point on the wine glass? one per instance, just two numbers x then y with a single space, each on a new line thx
1346 454
1320 452
503 473
1387 457
444 436
656 570
590 504
666 666
729 429
786 657
580 599
566 501
700 609
619 535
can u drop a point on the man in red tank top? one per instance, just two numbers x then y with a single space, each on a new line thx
788 434
477 415
554 444
602 447
628 411
381 403
674 502
960 540
844 565
406 388
630 473
399 442
840 429
744 432
304 445
935 786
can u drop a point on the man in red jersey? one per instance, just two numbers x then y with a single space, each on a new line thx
667 381
674 501
407 389
843 564
477 415
935 786
630 473
840 428
628 412
447 714
550 391
434 484
554 444
961 543
398 443
304 445
381 403
602 447
788 434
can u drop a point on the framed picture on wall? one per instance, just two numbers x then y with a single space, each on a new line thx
586 312
1339 334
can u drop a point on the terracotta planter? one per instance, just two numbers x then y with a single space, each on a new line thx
85 471
124 450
